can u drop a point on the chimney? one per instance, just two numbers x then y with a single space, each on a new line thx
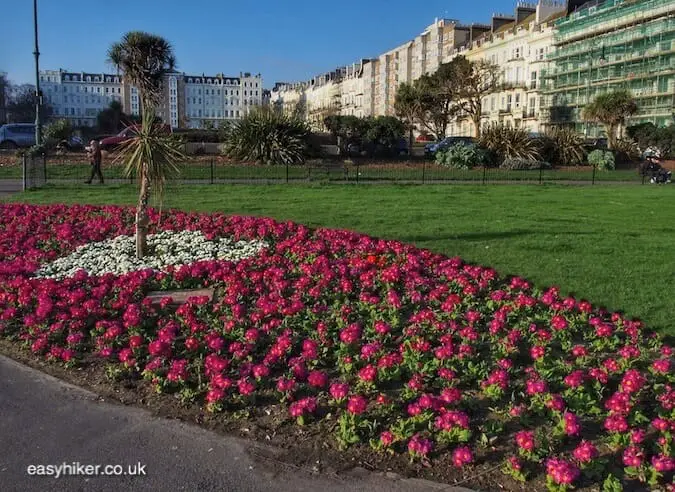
524 10
546 8
499 20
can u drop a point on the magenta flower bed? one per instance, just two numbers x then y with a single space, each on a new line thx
412 352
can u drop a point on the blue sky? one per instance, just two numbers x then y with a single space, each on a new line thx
285 41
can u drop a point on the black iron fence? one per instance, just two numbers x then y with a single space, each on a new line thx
211 171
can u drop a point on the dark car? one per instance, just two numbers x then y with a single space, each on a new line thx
431 149
370 149
110 143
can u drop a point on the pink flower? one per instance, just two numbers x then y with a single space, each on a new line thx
215 395
285 385
663 464
633 381
537 352
317 379
302 407
616 423
585 452
246 387
633 456
661 366
339 390
357 404
368 373
637 436
579 351
418 446
386 438
536 386
661 424
525 440
462 456
575 379
571 424
562 472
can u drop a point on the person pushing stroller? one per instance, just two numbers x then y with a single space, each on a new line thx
655 171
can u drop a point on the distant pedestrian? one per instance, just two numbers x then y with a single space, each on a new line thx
95 157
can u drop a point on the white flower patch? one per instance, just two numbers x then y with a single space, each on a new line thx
118 255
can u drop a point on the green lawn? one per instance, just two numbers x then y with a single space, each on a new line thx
609 244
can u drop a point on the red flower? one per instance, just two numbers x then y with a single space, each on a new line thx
357 404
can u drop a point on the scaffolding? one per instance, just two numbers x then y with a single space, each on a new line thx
615 44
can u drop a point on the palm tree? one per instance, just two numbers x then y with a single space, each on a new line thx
152 155
611 109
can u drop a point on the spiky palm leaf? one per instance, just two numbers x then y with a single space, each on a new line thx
509 143
611 109
567 146
151 152
143 59
268 136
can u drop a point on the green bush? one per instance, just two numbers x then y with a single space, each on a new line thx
268 136
563 146
520 164
58 131
602 160
508 143
460 156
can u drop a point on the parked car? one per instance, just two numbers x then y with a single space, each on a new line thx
15 135
431 149
110 143
424 138
372 150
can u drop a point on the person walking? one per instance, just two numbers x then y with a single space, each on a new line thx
95 157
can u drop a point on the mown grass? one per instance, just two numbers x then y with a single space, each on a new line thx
609 244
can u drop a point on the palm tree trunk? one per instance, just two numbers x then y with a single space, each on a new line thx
142 216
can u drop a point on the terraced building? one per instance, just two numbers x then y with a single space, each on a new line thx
612 44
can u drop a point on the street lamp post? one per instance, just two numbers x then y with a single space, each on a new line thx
38 95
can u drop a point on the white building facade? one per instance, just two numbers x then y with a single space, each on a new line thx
186 100
80 96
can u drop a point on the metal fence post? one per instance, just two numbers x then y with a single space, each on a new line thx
211 171
44 167
424 170
593 179
25 169
287 173
541 171
484 172
358 171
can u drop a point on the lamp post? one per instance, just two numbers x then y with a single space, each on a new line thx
38 95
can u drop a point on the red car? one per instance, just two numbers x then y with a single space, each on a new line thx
424 138
109 143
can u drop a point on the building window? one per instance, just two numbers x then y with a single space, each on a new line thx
200 113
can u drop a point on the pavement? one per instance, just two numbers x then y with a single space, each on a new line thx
46 421
9 186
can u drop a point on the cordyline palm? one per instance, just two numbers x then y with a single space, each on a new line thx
611 109
152 155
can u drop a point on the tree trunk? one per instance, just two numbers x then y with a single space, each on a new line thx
611 136
142 216
476 124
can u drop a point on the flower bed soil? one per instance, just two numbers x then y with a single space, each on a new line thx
349 350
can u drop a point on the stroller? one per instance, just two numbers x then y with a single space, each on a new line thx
656 172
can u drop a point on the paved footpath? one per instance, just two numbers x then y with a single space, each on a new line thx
46 421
